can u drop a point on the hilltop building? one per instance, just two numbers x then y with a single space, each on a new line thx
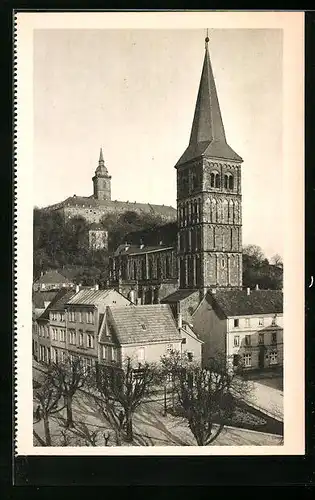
100 204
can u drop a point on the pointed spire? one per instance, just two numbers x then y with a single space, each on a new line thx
101 169
207 136
101 159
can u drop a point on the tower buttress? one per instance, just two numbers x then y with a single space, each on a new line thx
209 201
101 181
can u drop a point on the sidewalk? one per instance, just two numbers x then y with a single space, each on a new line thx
267 400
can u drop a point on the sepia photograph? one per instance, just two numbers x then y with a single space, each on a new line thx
158 220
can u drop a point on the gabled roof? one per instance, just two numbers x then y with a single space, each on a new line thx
88 297
52 276
39 298
238 303
58 302
143 324
178 296
207 134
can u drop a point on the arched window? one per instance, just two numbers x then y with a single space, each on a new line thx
187 218
226 182
159 268
150 268
217 181
135 270
231 182
214 210
212 179
225 211
199 211
236 212
143 270
182 273
168 267
219 211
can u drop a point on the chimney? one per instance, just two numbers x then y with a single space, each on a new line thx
179 320
257 287
77 288
96 287
248 290
161 243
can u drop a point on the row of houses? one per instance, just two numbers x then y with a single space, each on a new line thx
104 325
244 325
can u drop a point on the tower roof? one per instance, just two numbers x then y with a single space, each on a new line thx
207 136
101 169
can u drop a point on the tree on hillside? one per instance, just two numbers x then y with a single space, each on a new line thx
258 271
119 225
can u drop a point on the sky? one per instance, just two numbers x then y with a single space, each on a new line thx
133 93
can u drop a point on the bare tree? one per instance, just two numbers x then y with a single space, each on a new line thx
67 378
208 397
276 260
48 397
122 390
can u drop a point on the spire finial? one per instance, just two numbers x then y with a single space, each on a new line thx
101 159
207 39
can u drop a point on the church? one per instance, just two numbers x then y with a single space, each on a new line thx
206 250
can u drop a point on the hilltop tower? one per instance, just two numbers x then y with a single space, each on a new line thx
209 202
101 181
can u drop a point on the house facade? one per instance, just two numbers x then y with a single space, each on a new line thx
143 333
52 280
246 327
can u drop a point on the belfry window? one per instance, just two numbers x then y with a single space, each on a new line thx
226 182
231 182
217 181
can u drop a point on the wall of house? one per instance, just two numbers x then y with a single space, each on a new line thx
150 353
211 329
191 344
259 338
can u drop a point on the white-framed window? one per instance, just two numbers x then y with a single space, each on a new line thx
261 339
54 355
58 316
261 321
247 360
54 333
90 340
236 322
81 338
80 319
63 356
106 352
72 337
141 354
247 340
247 322
47 331
90 317
62 335
236 340
72 316
273 358
62 317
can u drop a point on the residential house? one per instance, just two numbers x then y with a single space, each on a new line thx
51 318
83 316
244 325
142 333
52 280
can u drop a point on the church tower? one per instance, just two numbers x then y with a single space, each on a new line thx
209 210
101 181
